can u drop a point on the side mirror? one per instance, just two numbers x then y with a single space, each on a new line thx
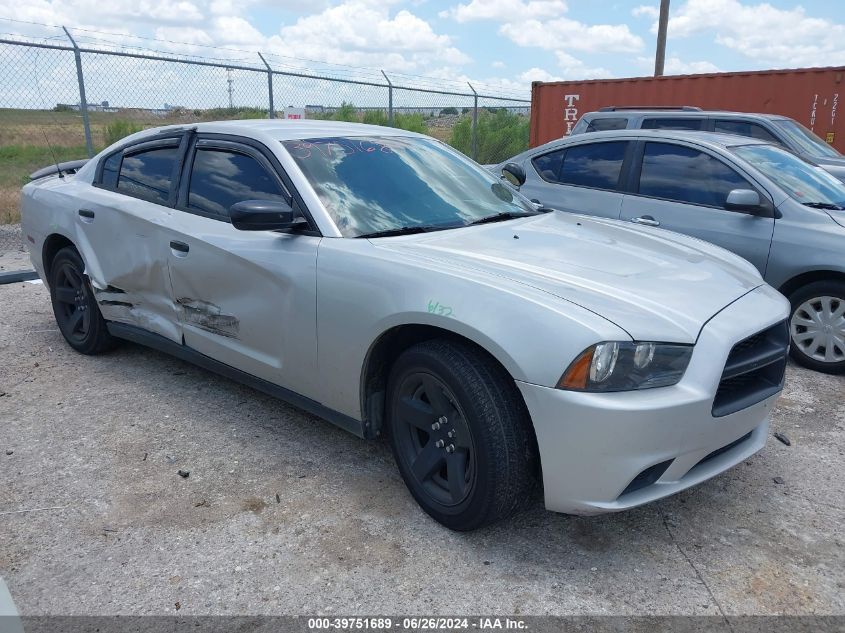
514 174
262 215
744 200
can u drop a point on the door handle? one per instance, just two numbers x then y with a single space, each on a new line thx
646 220
86 213
179 247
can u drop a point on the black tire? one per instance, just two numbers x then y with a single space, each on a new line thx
817 305
492 450
74 305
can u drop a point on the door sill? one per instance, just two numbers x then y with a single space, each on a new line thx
162 344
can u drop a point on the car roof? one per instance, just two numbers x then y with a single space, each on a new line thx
288 129
714 140
679 113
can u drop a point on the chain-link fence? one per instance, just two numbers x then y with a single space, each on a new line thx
67 96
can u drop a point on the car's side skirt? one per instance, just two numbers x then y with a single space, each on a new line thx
162 344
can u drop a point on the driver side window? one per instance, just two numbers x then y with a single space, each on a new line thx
683 174
220 178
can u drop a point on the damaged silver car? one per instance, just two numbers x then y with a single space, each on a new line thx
387 283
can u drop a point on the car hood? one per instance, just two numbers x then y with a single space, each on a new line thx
654 284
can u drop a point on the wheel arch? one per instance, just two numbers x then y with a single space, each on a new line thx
52 245
805 278
384 351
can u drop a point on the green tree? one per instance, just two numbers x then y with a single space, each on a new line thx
446 111
375 117
346 112
119 129
500 135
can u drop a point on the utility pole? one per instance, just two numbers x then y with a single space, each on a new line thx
662 25
229 81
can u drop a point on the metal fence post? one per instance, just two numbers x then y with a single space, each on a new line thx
389 99
474 122
271 113
83 104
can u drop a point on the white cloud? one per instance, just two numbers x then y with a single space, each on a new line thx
646 10
766 34
566 34
498 64
674 66
573 68
364 33
123 14
542 24
538 74
505 10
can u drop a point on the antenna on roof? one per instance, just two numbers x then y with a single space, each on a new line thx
53 154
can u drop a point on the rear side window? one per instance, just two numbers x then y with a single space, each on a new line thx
148 174
548 165
669 123
744 128
596 165
220 178
603 124
111 169
683 174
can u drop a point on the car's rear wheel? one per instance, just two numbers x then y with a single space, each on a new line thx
74 305
817 326
461 434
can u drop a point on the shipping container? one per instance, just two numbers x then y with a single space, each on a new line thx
809 95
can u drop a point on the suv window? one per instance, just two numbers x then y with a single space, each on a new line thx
148 174
595 165
677 172
686 123
602 124
220 178
744 128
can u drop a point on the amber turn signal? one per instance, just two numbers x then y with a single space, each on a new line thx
575 377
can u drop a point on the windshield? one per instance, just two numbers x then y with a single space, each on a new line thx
381 184
804 139
804 182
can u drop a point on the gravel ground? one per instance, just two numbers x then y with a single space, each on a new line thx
284 514
13 254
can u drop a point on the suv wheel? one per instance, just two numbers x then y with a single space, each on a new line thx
74 305
817 326
461 434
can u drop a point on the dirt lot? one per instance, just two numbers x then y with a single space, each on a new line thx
283 513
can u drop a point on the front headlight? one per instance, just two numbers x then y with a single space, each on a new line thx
625 366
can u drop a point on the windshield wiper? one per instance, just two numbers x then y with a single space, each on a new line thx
824 205
500 217
406 230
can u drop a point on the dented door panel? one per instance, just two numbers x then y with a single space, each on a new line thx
247 299
126 260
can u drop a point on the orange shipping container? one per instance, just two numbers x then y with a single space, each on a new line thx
809 95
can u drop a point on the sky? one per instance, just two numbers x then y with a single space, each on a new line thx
501 44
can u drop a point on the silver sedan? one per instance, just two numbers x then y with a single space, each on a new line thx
387 283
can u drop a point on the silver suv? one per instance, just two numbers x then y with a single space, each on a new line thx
781 213
773 128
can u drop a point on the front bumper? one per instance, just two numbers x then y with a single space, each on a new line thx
593 445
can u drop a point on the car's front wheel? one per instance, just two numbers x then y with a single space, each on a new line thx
817 326
74 305
461 434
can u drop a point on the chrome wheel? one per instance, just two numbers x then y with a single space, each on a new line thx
818 329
